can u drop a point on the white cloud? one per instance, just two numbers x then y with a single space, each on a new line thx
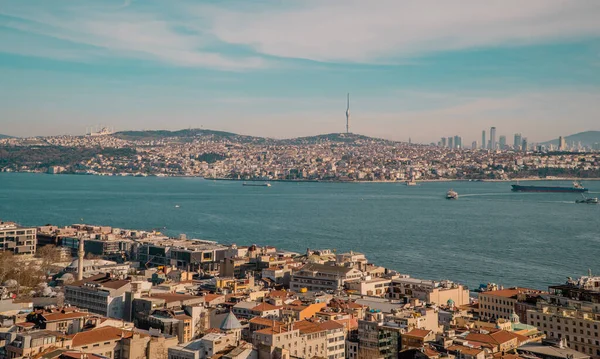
121 32
383 30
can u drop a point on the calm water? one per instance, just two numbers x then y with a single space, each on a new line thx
489 234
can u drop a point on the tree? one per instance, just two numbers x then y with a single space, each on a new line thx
6 265
48 255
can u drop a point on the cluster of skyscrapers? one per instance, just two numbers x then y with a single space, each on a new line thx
519 142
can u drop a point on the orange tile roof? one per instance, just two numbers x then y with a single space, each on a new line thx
100 335
511 292
263 307
331 325
211 297
465 350
64 316
307 327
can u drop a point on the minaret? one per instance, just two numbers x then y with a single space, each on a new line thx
348 115
80 255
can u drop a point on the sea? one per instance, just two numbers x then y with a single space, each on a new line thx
489 234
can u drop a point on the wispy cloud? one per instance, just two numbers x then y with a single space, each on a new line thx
381 31
123 32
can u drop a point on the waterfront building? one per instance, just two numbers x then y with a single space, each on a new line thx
571 313
100 294
191 255
316 277
17 239
428 291
502 303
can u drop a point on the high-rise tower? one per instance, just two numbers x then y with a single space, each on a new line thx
483 139
348 115
493 138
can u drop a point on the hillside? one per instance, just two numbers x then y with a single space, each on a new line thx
4 136
333 137
587 138
187 134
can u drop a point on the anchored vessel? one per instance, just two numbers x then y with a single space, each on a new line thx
451 195
257 184
577 187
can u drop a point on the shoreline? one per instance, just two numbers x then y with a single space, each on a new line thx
524 179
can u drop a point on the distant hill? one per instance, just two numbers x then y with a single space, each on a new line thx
587 138
4 136
334 137
187 134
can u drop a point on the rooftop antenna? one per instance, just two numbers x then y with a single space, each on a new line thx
348 115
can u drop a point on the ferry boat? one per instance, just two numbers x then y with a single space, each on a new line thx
577 188
256 184
451 195
411 182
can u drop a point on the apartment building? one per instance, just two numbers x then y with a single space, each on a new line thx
191 255
428 291
323 277
501 303
571 313
100 294
17 239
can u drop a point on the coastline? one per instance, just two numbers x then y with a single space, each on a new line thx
524 179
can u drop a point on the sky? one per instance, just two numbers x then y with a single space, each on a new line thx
414 69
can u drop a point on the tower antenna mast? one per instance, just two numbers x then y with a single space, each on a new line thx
348 115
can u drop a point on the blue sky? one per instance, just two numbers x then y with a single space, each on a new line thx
279 68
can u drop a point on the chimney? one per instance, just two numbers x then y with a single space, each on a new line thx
80 255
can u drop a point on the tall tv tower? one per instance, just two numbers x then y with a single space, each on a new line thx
348 115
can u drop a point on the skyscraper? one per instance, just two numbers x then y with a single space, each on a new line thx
483 139
517 142
348 115
493 138
562 143
474 145
443 141
524 145
457 142
502 142
450 142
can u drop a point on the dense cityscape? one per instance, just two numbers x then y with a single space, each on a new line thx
90 291
334 157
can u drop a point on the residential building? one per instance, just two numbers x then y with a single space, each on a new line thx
322 277
494 304
101 294
429 291
17 239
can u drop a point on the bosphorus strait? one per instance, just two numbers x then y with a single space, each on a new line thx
488 234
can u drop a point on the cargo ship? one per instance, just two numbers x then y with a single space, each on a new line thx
256 184
577 188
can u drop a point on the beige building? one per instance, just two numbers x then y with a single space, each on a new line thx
372 287
322 277
32 343
19 240
429 291
496 304
570 314
302 339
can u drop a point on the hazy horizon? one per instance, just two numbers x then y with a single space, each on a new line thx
282 69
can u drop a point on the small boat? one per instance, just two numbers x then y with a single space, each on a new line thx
587 200
411 183
256 184
451 195
176 206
